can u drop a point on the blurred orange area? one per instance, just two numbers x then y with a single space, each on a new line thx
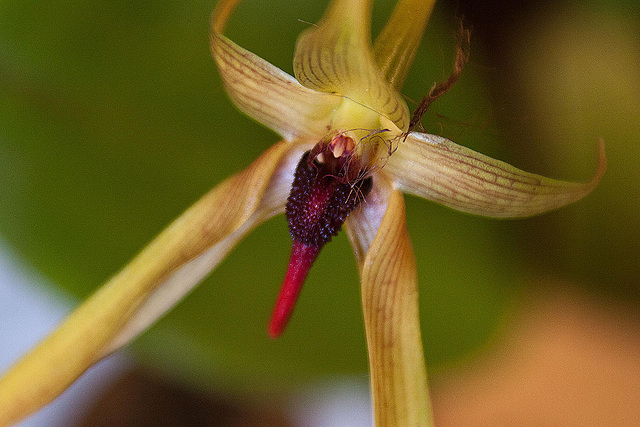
566 360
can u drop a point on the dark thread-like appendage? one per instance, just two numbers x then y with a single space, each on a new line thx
439 89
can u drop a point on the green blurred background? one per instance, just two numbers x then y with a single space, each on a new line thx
113 120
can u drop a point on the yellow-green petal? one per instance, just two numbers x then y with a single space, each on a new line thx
266 93
335 56
398 42
378 233
437 169
152 283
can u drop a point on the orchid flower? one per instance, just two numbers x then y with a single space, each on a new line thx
348 153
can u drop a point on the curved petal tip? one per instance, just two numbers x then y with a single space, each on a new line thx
602 163
437 169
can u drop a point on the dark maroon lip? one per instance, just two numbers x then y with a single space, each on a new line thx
321 198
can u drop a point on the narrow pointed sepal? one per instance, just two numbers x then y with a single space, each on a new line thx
300 262
165 271
437 169
398 41
378 233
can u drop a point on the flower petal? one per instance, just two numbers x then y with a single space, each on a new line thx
396 45
266 93
153 282
335 57
437 169
378 233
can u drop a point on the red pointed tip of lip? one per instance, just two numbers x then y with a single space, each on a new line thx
301 260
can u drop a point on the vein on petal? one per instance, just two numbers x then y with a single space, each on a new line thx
336 57
390 306
398 41
266 93
437 169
